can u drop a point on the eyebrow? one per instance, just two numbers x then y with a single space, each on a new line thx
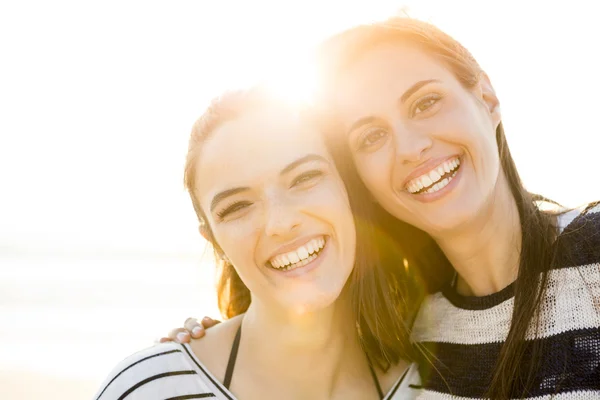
361 122
416 87
302 160
225 194
230 192
403 98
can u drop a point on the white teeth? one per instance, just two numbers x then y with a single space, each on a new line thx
440 185
293 257
426 181
302 252
431 180
434 176
299 257
300 264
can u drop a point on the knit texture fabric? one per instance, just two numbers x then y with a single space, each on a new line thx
462 336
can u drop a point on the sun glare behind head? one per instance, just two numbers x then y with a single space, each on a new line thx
293 82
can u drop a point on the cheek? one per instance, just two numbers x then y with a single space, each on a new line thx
375 170
238 241
480 142
329 204
326 201
476 128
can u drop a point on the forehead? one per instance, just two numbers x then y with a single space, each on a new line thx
255 146
376 79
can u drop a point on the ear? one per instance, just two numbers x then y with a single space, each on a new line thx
489 98
207 235
204 231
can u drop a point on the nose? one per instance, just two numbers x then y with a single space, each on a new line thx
410 143
281 218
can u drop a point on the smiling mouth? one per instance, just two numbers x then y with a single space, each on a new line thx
300 257
436 179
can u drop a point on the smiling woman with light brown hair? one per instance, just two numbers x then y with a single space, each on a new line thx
305 294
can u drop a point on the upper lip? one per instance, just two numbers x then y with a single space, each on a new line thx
286 248
426 167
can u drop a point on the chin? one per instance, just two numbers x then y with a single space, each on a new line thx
304 303
454 219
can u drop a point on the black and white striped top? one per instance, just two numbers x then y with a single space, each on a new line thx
172 371
463 335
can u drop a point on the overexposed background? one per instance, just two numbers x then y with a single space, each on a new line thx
99 252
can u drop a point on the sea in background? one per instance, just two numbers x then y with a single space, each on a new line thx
66 321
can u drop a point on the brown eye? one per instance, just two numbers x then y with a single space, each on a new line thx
233 208
425 104
306 177
371 137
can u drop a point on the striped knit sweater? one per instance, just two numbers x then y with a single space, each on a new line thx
463 335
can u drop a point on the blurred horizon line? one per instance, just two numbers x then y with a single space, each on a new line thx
102 253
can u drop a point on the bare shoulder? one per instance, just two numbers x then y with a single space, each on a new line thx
214 348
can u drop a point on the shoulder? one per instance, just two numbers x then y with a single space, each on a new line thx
586 216
213 349
579 239
164 368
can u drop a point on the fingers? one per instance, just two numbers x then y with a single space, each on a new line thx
183 337
194 328
208 322
179 335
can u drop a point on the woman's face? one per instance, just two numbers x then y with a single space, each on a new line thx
278 209
423 144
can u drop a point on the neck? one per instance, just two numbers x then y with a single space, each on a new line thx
485 253
306 347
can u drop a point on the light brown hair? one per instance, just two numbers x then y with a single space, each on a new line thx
376 286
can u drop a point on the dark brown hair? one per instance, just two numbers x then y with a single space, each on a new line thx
376 286
514 374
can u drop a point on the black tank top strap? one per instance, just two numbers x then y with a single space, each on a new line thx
374 376
232 358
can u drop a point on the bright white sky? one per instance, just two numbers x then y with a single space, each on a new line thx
97 100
